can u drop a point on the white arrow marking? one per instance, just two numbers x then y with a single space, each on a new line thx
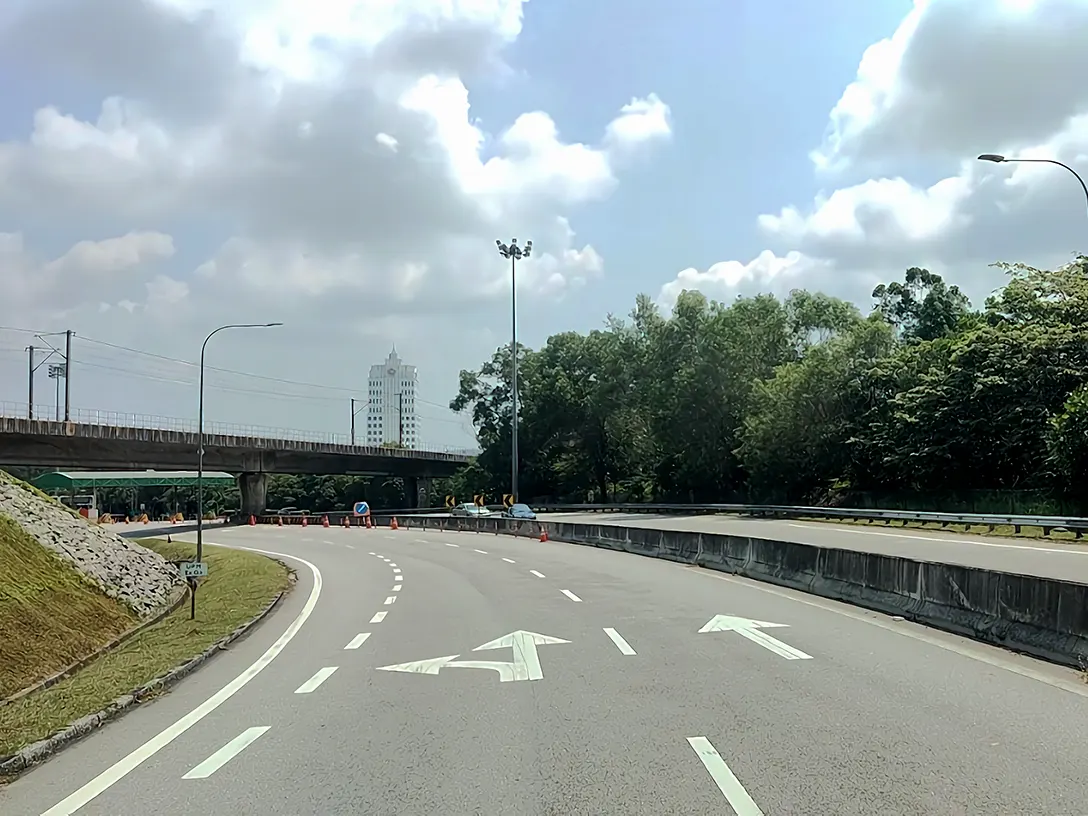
431 666
748 628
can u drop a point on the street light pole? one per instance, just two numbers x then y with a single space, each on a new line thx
514 253
200 451
999 159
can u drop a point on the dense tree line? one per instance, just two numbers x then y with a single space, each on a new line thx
923 402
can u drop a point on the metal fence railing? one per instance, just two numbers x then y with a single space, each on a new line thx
123 419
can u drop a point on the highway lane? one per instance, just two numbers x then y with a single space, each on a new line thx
1044 558
844 712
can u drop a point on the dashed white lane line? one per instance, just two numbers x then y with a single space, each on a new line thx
129 763
619 640
392 564
320 677
387 560
481 552
226 753
392 599
370 553
396 587
378 617
358 640
727 782
537 574
509 560
571 595
450 544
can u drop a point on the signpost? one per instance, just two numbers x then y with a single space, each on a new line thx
191 570
361 509
479 499
508 500
451 502
524 666
750 630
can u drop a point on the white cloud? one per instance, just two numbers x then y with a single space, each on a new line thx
320 165
956 79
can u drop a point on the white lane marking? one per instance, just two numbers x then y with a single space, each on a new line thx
129 763
482 552
226 753
392 599
378 617
396 570
421 541
396 587
537 574
727 782
509 560
320 676
983 653
392 564
386 560
618 639
773 644
370 553
450 544
571 595
358 640
948 540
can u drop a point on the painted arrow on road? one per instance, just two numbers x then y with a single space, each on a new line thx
525 666
750 629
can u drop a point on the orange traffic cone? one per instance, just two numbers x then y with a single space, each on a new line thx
346 522
368 524
324 521
393 524
305 522
252 521
543 533
279 521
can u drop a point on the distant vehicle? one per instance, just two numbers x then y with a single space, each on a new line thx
519 511
469 510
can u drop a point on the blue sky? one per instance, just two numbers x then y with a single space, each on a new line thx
170 165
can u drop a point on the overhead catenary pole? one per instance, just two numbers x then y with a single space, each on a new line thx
353 422
400 418
200 452
68 376
30 384
514 253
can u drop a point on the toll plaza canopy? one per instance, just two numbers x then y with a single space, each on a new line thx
76 480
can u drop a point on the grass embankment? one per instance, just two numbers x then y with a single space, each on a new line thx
239 586
1000 530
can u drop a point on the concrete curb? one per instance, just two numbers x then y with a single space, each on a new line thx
40 751
68 671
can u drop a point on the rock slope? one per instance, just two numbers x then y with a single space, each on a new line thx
141 579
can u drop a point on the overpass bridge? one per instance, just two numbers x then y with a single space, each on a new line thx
102 440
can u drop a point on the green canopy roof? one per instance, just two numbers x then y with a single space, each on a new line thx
75 480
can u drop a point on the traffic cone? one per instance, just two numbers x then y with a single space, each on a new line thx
279 521
324 521
368 524
252 521
305 522
543 533
393 524
346 522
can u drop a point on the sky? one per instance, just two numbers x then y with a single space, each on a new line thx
345 168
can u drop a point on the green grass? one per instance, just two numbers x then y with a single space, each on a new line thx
239 586
50 616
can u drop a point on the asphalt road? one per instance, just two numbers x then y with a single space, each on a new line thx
1041 557
837 711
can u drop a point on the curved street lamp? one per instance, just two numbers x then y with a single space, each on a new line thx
514 253
999 159
200 450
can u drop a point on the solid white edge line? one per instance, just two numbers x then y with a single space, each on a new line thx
725 779
378 617
571 595
129 763
226 753
320 676
619 640
358 640
537 574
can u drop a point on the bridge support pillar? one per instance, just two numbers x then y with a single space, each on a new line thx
254 487
416 490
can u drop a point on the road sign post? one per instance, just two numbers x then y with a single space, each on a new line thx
451 502
479 499
508 500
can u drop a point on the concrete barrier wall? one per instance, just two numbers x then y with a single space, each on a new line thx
1037 616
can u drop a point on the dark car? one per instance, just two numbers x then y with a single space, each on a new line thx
519 511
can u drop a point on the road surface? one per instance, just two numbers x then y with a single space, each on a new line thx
598 694
1042 557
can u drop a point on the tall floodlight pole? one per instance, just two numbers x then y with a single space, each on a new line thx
998 159
514 253
200 451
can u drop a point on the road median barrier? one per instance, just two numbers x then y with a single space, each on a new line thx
1041 617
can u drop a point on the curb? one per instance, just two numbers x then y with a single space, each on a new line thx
40 751
68 671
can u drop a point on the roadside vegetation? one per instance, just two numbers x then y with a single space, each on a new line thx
239 586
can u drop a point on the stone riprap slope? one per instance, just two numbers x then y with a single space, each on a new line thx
141 579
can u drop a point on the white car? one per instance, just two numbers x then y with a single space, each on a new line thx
469 510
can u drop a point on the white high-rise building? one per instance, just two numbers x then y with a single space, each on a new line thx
391 410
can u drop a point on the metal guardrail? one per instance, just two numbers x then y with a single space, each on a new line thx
122 419
1048 524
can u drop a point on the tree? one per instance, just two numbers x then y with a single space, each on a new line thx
923 306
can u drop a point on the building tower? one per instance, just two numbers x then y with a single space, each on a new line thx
391 410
